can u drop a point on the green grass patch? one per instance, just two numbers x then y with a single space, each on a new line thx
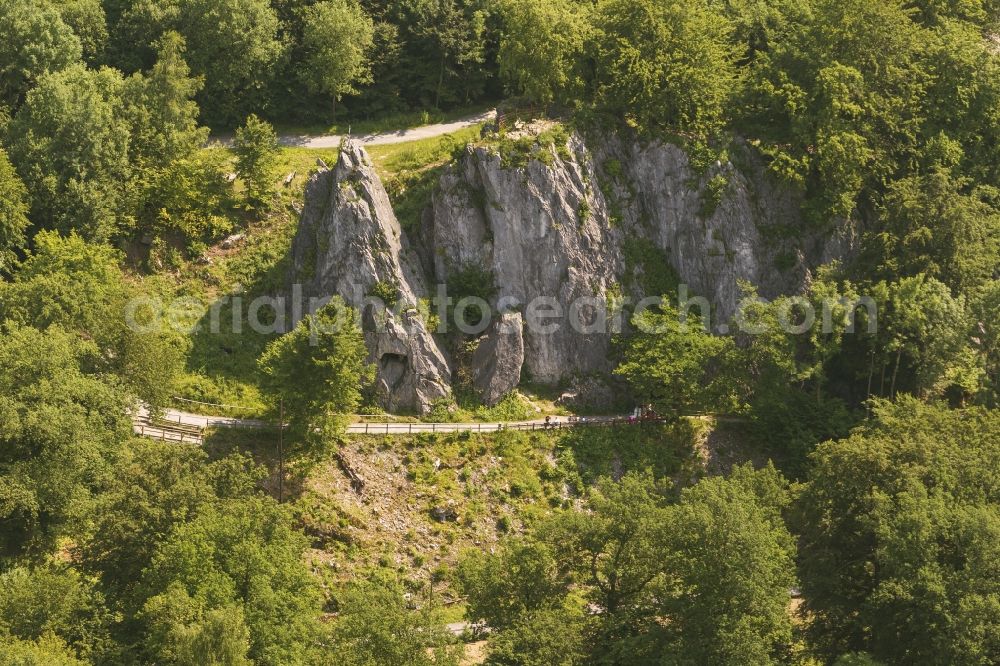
410 171
383 124
516 152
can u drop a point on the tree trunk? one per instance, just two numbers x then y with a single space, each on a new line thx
333 109
895 372
868 397
437 95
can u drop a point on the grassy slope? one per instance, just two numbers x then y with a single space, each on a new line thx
221 366
495 483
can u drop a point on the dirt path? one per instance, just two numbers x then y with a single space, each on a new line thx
379 139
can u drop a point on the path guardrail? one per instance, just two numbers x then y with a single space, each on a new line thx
419 428
182 427
165 433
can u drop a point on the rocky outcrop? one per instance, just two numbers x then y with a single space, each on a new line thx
567 228
716 229
560 234
542 233
349 244
496 363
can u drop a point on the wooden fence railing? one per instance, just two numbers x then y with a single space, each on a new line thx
165 430
417 428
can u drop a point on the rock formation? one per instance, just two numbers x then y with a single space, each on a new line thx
349 244
496 363
557 233
542 234
564 226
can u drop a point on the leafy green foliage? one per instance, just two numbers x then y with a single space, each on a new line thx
739 613
61 429
886 115
665 64
70 144
155 487
184 632
650 268
650 566
256 148
503 588
187 201
898 523
46 651
55 600
986 339
542 49
542 638
374 626
678 367
320 367
921 339
164 116
934 228
790 423
338 37
88 21
79 287
386 292
13 213
233 44
36 41
470 282
234 555
443 48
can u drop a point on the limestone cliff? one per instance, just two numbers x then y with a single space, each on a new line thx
575 222
349 244
531 229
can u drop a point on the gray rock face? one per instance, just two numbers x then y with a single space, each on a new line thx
717 229
349 244
558 237
590 393
496 363
563 231
542 232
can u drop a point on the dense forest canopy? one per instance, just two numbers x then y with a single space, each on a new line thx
880 513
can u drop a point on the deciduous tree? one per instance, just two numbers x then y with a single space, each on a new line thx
337 37
898 524
666 65
236 554
13 213
678 367
70 144
256 148
36 41
320 367
543 48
